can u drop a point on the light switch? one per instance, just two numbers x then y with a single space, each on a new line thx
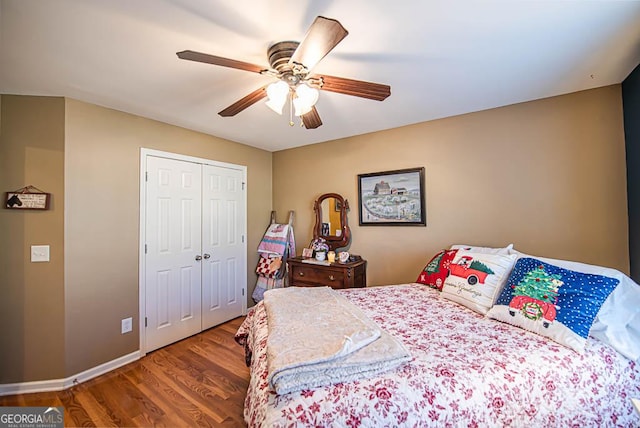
39 253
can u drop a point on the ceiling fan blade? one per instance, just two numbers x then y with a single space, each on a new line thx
357 88
323 35
245 102
311 120
218 60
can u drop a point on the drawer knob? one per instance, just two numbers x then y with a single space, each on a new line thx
301 273
332 278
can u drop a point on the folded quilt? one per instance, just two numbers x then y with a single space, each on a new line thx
276 238
317 337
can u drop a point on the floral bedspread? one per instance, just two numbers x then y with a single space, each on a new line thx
467 370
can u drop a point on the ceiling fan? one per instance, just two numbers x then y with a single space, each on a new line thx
291 63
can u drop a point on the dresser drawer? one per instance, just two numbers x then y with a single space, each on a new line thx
336 275
311 274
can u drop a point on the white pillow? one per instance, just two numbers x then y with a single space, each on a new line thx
618 321
475 280
486 250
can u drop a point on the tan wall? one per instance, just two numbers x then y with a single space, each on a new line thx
548 176
32 294
102 222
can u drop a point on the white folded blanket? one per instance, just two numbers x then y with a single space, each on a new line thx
317 337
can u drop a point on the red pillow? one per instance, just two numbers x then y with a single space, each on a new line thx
437 270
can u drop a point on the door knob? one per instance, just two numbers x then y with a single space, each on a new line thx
198 257
206 256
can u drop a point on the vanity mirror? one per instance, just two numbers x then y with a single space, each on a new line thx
331 220
331 225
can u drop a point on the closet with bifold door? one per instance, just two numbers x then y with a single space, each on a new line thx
194 253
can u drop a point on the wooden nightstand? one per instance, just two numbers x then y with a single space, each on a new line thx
336 275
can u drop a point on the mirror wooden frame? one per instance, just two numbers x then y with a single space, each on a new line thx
334 242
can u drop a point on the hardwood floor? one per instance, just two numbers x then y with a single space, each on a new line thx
199 381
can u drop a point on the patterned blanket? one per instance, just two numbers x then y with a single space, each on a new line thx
276 239
467 370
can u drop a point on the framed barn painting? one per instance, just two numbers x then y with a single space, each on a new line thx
392 198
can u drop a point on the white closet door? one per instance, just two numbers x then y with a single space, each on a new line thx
223 271
172 271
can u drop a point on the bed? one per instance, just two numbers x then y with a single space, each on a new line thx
465 370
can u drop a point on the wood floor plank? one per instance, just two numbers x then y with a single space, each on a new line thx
74 410
189 390
183 404
112 402
199 381
173 413
225 358
98 415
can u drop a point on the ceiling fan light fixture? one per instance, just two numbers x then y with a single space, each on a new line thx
300 108
291 63
275 106
277 93
306 98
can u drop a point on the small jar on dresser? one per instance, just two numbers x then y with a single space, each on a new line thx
309 273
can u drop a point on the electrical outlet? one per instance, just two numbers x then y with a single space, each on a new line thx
127 325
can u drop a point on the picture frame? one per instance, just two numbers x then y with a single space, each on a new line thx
392 198
325 229
27 200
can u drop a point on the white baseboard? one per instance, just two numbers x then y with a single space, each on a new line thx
60 384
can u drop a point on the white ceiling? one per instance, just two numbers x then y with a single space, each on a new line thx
441 58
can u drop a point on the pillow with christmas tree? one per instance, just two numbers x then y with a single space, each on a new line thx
436 271
554 302
476 279
618 321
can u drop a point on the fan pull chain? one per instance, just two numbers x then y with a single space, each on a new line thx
291 108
